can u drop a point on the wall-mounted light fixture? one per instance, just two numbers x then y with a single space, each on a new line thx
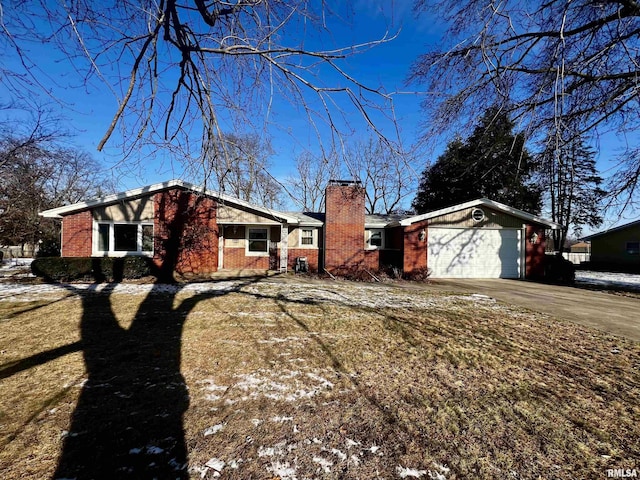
422 235
534 238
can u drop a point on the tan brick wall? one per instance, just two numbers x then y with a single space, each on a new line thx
76 234
344 227
186 232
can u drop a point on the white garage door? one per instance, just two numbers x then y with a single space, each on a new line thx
474 253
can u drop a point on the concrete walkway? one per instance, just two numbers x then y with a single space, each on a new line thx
605 311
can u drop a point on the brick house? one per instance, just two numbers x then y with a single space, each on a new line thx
196 231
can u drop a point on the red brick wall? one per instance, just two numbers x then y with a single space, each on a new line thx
344 227
534 254
372 259
76 234
186 232
235 258
312 255
414 249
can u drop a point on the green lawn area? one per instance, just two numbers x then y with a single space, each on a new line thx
282 379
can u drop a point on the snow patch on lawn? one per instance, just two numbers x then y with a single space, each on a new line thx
357 295
214 429
283 470
348 294
216 465
324 464
283 385
10 291
608 279
404 472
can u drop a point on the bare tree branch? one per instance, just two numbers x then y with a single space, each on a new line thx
200 66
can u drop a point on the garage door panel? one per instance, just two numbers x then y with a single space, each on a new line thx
474 253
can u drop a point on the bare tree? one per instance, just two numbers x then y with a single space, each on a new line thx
307 186
569 176
386 173
546 64
239 166
37 173
185 72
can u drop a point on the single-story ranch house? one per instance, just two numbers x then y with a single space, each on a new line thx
200 231
617 248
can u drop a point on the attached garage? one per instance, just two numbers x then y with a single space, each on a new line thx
475 253
477 239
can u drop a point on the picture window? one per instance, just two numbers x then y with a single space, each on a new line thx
124 238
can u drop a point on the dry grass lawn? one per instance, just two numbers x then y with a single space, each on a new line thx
293 381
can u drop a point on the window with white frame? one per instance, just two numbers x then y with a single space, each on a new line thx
375 238
257 241
123 238
307 237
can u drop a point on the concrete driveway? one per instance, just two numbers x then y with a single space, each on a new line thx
611 313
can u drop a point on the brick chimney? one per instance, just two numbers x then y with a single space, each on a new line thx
344 226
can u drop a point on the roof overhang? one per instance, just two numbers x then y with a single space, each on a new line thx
611 230
527 217
60 212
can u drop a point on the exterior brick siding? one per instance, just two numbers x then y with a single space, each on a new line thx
344 227
414 249
235 258
186 232
372 259
76 234
312 254
534 253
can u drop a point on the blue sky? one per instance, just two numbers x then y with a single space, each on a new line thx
87 109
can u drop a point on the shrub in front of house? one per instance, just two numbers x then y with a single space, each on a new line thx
102 269
559 270
49 248
417 275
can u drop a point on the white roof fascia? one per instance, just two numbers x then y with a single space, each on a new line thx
486 202
156 187
375 225
305 220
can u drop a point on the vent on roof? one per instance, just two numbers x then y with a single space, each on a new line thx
345 183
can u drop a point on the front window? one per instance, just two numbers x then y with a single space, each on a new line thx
258 241
306 236
147 238
123 238
375 238
103 237
633 248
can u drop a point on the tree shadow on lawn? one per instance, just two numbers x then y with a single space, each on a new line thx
128 421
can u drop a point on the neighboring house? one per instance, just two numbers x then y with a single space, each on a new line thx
617 248
196 231
578 253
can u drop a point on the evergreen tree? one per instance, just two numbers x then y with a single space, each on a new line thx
568 171
491 163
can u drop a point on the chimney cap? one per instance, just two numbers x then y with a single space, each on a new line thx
345 183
